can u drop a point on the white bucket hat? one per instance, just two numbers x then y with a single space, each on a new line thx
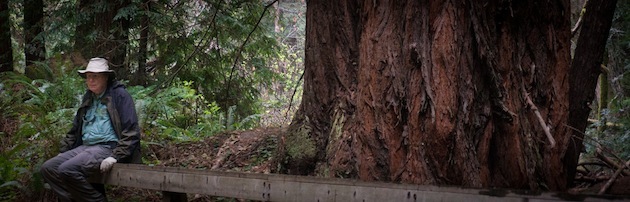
97 65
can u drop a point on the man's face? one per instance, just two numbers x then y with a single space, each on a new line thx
96 82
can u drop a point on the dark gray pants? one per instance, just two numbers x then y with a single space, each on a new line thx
67 172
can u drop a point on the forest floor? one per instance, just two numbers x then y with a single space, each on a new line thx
240 151
252 151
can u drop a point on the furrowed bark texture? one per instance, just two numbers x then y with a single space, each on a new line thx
435 92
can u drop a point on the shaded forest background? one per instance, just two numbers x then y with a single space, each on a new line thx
194 69
197 69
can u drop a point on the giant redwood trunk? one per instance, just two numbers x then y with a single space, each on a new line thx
435 92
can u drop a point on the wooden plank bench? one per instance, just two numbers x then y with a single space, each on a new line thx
175 182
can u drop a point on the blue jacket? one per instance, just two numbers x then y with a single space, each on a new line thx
122 113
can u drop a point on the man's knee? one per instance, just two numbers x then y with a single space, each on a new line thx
70 172
47 168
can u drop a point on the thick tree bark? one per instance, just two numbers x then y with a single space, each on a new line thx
6 52
433 92
34 50
585 68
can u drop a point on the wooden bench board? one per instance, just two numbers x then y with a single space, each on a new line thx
275 187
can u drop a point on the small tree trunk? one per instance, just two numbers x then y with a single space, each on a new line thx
112 35
84 28
585 69
120 32
6 52
618 53
602 102
34 49
140 78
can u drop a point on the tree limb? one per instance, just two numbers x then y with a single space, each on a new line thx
611 163
293 95
578 24
613 177
240 49
552 141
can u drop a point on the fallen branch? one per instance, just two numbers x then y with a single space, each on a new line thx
592 164
542 122
224 152
591 179
613 177
609 124
583 172
611 163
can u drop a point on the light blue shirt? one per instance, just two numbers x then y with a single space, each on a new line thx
97 127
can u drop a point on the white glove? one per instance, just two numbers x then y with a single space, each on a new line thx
107 164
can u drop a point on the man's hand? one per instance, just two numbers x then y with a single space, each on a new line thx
107 164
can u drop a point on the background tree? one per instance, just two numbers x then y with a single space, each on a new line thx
616 119
34 39
141 72
119 16
34 50
618 51
102 31
584 72
84 32
434 92
6 53
206 63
